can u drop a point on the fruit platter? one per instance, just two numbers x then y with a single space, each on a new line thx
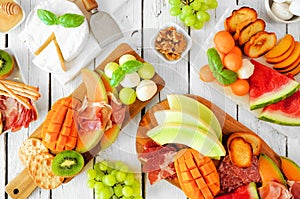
195 99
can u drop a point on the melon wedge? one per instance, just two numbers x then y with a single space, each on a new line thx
203 142
164 117
285 112
193 107
268 86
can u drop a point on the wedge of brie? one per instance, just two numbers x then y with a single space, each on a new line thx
50 59
70 40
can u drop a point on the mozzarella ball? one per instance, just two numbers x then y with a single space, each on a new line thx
130 80
146 90
281 10
295 7
246 70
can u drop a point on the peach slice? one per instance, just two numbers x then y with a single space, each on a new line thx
284 55
294 72
291 59
290 67
282 46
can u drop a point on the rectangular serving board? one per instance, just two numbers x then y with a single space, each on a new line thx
22 185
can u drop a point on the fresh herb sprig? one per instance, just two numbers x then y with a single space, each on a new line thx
67 20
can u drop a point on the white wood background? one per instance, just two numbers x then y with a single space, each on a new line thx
139 19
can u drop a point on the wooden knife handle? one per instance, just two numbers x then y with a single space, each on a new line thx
21 186
90 4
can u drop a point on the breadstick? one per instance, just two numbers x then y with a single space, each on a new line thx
24 92
20 85
22 100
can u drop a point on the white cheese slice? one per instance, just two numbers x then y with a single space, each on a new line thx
49 59
70 40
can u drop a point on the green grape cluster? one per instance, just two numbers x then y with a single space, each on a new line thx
113 181
192 13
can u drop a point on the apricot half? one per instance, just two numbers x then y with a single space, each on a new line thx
282 46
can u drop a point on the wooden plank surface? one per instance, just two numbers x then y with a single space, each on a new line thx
139 20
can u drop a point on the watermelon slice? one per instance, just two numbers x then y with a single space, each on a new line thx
248 191
285 112
268 86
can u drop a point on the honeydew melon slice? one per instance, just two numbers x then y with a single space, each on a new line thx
207 144
165 117
193 107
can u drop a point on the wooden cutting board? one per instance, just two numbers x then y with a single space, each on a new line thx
228 124
22 185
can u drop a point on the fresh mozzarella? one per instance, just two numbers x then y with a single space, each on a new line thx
295 7
246 70
281 10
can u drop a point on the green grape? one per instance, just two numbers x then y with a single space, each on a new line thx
91 174
175 11
118 190
110 68
196 5
174 2
121 176
202 16
182 17
125 58
189 20
109 180
99 176
103 165
208 2
114 172
124 168
213 5
91 183
118 165
127 96
187 10
147 71
198 25
99 186
129 179
105 194
127 191
204 7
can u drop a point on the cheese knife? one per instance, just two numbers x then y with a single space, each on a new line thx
103 26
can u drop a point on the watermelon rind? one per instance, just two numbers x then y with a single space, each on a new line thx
252 191
281 93
279 117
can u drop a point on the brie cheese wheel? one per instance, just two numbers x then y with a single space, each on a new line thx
70 40
49 59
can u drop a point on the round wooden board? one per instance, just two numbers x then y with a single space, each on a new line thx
228 124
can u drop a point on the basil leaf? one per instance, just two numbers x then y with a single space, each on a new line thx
226 77
117 76
47 17
132 66
214 61
71 20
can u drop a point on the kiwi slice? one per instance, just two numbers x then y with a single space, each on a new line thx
67 163
6 64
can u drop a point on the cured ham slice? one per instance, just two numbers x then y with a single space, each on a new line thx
15 115
158 161
274 190
294 188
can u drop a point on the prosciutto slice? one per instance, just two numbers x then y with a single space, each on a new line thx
158 161
274 190
15 115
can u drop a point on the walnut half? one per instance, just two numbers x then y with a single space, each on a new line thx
170 43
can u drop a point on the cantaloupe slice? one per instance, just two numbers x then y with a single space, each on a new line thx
290 169
269 171
282 46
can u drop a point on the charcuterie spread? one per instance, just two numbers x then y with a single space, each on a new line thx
185 139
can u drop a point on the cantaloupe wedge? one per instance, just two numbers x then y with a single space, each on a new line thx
269 171
290 169
291 59
282 46
284 55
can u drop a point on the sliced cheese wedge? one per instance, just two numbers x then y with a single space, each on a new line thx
50 58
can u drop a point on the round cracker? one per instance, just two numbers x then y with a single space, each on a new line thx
40 169
30 147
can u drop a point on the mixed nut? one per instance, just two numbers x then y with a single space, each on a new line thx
170 43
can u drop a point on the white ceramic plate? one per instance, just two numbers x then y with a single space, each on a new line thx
178 29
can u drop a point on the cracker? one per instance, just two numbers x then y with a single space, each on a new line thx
30 147
40 169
